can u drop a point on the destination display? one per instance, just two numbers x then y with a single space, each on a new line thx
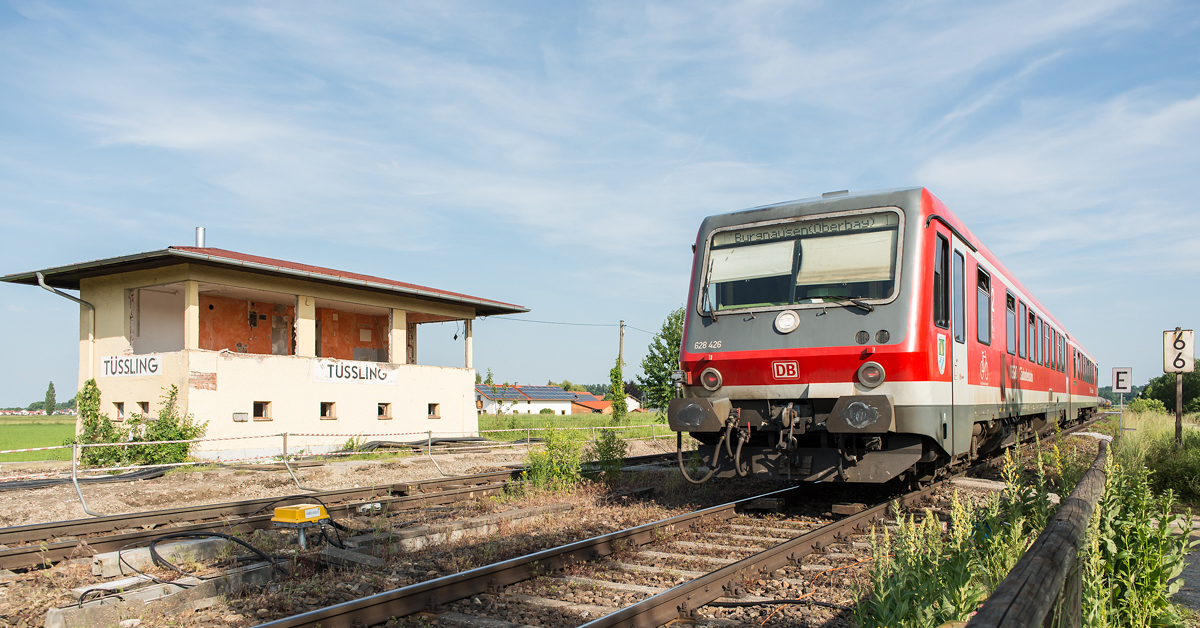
354 372
844 224
130 366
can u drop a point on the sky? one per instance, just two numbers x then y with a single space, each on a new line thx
561 155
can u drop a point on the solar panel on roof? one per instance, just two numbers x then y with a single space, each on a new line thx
499 392
547 393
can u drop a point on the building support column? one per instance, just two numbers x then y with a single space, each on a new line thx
470 349
398 342
191 315
306 326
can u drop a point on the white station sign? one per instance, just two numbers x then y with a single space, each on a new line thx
1179 351
1122 379
354 372
130 366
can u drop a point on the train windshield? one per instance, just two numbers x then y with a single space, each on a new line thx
853 257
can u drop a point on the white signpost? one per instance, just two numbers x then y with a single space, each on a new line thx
1122 381
1179 357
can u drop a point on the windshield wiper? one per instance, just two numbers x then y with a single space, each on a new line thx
844 300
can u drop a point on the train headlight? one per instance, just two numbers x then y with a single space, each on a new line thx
862 337
710 378
871 374
882 336
787 321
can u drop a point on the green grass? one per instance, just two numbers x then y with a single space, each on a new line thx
538 423
1151 444
19 432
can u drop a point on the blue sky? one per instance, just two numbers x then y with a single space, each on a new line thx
561 155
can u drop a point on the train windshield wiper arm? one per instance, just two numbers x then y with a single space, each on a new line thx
844 300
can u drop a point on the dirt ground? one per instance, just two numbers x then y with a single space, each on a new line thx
210 486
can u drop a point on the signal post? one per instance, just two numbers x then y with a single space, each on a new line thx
1178 358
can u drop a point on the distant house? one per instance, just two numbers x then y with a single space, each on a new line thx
524 399
597 406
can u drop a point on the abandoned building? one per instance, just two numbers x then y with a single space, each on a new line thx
260 346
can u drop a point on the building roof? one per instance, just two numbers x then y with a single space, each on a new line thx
595 406
530 393
507 393
69 276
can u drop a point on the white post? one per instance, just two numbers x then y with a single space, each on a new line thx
469 349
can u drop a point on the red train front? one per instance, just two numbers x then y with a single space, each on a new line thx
864 338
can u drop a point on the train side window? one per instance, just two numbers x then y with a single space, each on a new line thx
1022 338
960 300
1030 337
1039 343
1010 327
941 283
983 306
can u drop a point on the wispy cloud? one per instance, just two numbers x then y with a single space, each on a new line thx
564 152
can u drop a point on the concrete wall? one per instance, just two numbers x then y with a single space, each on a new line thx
215 384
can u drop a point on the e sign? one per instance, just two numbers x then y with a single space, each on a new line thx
1178 351
1122 379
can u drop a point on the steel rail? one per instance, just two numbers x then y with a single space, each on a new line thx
33 545
678 602
41 554
33 533
378 608
682 601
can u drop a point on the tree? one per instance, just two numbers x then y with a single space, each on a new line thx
662 357
1162 388
616 393
51 403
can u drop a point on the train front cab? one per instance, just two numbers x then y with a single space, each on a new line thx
970 376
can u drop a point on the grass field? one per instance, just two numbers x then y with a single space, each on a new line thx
532 424
19 432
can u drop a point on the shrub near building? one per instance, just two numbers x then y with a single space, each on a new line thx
167 425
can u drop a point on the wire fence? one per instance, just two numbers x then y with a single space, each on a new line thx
449 441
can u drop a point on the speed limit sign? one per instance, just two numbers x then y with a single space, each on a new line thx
1178 351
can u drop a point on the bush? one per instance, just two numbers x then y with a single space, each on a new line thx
608 453
923 577
168 425
546 411
1132 553
1144 404
558 466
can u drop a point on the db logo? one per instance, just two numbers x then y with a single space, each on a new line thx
786 370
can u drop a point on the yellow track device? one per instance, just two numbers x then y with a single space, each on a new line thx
300 514
299 517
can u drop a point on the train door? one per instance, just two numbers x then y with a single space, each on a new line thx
960 390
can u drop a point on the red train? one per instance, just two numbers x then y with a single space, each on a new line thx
864 338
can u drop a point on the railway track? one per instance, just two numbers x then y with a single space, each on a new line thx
37 545
656 605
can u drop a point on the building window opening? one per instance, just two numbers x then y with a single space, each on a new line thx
119 409
144 408
241 320
351 331
384 411
262 410
435 410
328 410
